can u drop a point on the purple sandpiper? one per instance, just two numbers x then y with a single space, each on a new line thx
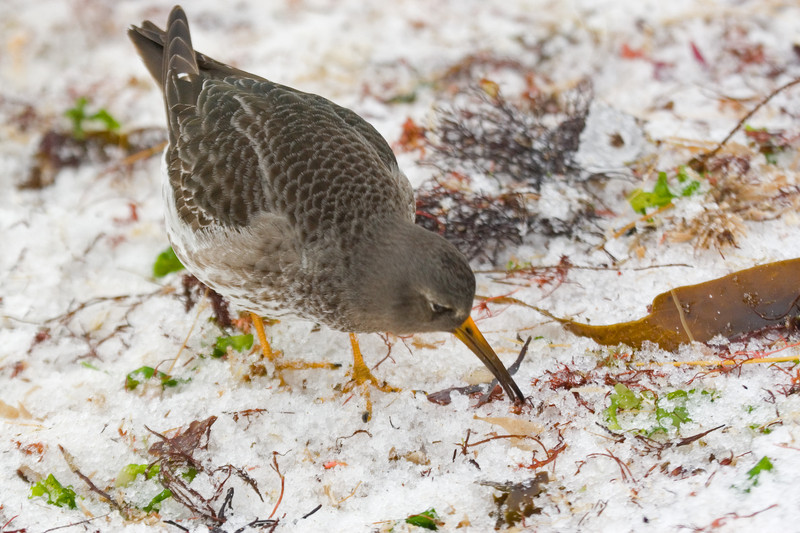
287 203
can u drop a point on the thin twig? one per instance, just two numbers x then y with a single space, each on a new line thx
73 524
94 488
700 160
724 362
200 308
689 440
283 483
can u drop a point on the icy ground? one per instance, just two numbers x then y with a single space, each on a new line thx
80 308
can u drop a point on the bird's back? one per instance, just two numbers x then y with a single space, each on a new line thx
242 146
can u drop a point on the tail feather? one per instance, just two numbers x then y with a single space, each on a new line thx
149 42
171 61
180 70
169 56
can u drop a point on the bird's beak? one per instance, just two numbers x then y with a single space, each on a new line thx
469 334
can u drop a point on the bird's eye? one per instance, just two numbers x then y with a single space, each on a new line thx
438 309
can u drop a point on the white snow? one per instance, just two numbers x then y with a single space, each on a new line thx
74 245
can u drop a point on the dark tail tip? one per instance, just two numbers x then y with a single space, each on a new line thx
180 68
149 42
180 56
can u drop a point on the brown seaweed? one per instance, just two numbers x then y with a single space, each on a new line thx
736 304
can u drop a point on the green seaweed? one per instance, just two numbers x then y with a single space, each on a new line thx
240 343
624 399
155 503
56 493
661 194
763 465
166 263
134 378
79 116
130 472
426 519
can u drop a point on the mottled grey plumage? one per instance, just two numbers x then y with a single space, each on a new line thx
286 202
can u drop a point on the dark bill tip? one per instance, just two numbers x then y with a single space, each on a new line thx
469 334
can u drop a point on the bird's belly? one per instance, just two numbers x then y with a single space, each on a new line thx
210 256
224 259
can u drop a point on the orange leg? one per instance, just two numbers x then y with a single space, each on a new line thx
274 356
258 324
363 378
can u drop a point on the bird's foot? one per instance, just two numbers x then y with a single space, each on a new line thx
281 366
362 378
275 356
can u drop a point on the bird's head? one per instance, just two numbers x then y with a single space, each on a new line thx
414 281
